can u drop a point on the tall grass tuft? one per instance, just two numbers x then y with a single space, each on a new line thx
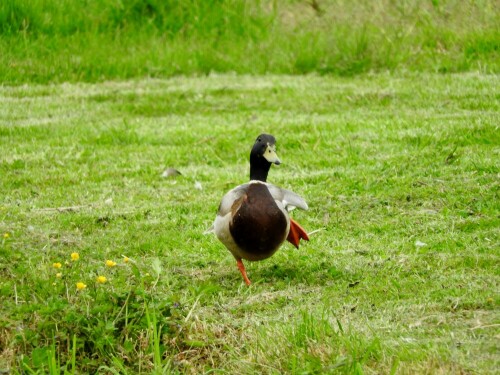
311 341
52 40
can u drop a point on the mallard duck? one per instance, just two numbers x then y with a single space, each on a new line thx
253 220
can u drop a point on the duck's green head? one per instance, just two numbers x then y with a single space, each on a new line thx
263 154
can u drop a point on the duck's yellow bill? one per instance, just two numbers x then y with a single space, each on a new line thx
271 155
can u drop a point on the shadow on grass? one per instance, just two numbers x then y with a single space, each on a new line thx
296 272
311 273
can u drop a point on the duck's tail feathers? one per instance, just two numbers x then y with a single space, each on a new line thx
210 230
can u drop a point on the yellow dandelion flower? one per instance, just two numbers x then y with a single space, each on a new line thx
110 263
59 275
57 265
101 279
126 259
75 256
6 235
80 285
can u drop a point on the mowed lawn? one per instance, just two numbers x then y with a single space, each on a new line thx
401 274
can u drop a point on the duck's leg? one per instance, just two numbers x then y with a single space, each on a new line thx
296 233
241 267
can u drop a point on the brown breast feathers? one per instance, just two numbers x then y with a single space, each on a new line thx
258 226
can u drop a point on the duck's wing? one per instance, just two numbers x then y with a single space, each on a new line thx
232 196
289 199
228 203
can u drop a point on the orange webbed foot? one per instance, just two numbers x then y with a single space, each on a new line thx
296 234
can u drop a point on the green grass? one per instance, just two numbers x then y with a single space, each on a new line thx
57 41
401 176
